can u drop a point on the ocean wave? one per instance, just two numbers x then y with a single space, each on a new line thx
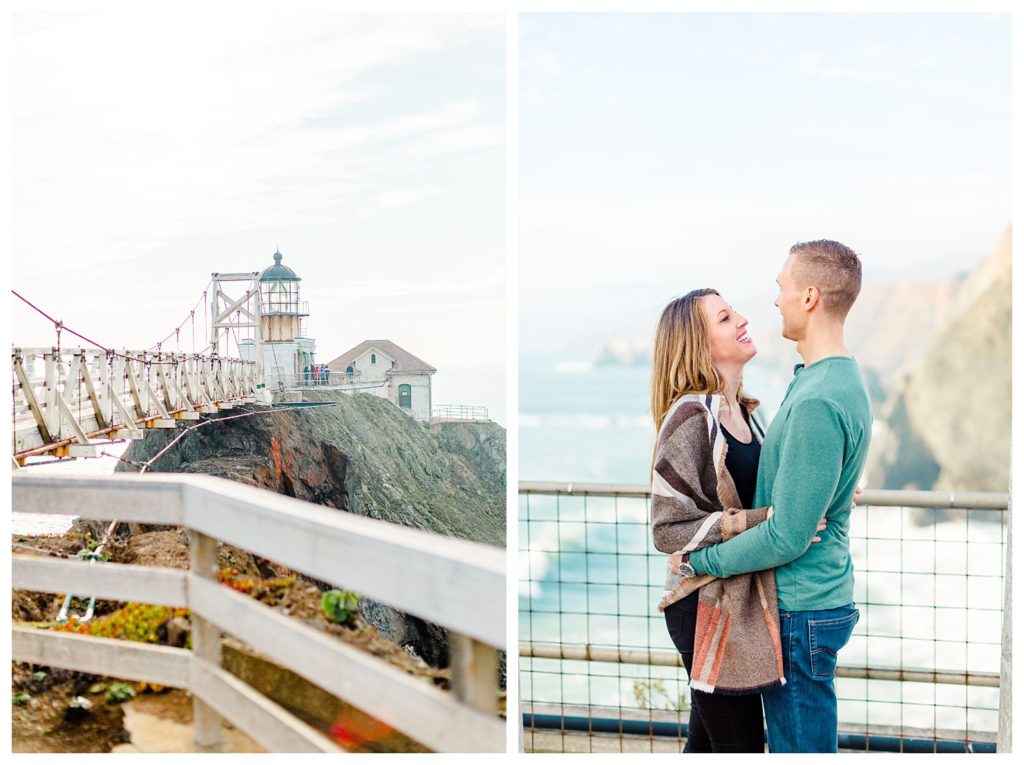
585 421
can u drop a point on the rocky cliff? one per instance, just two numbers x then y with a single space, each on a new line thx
947 424
887 329
359 454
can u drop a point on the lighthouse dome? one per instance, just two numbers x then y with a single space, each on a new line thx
278 272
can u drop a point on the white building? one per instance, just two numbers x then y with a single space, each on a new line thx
384 369
286 353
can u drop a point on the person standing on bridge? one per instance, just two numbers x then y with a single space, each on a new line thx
812 457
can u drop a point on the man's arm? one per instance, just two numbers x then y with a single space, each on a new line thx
810 466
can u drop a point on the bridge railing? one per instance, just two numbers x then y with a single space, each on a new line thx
346 382
62 398
922 672
450 582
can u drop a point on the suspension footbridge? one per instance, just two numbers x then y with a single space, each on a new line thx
69 401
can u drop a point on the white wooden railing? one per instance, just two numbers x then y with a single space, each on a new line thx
451 582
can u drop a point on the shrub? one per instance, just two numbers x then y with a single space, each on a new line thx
139 622
254 586
118 692
340 606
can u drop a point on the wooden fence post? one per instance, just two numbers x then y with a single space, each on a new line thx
474 672
205 641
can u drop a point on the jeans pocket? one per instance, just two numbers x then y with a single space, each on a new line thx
826 638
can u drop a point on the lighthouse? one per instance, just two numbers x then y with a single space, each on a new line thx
285 351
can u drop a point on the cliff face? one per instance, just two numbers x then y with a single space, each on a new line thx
361 454
885 329
947 425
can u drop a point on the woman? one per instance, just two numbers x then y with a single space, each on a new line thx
704 474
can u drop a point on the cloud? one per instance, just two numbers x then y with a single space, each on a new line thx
393 200
470 282
131 132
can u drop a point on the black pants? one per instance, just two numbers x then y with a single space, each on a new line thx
718 723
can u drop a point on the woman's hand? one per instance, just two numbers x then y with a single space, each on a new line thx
856 496
674 561
821 527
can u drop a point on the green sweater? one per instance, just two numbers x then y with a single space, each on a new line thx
811 459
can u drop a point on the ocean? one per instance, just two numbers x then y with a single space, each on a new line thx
583 422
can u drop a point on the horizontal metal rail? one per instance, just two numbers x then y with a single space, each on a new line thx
590 722
672 659
967 500
459 412
450 582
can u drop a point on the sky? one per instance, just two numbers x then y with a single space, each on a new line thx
152 151
663 152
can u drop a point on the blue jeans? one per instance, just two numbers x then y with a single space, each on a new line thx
802 715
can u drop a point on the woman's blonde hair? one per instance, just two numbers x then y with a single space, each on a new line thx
682 360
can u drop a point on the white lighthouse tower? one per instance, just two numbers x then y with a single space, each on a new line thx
286 352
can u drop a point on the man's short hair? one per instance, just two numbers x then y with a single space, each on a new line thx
833 268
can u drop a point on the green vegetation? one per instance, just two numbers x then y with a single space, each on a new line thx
139 622
118 692
652 694
340 606
252 585
77 708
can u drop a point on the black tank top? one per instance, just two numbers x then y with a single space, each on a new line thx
741 461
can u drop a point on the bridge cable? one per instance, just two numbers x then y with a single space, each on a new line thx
57 324
60 326
186 319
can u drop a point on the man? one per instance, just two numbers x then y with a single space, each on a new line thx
811 460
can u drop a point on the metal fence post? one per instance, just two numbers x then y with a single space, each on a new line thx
206 636
1004 738
474 673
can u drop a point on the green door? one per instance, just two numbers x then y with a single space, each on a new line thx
405 396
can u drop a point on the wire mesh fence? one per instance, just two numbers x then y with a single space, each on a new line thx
600 673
